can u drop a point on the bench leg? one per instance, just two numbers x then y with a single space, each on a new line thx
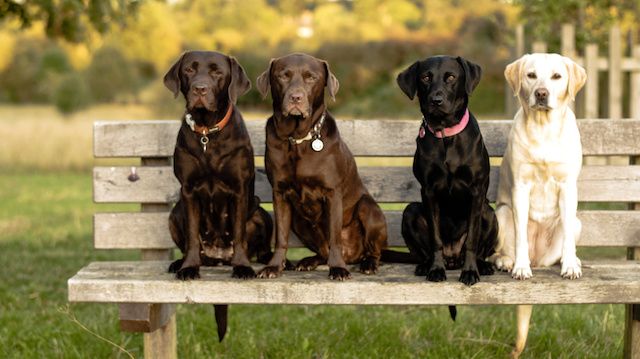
161 343
632 332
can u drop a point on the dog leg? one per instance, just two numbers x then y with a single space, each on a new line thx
571 226
489 233
240 262
470 274
505 249
333 210
176 228
520 194
374 224
523 318
282 213
190 268
432 215
415 233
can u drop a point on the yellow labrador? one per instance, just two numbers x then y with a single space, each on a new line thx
537 194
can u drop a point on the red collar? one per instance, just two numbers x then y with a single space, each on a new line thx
449 131
204 130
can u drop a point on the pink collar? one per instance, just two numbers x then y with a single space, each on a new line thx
450 131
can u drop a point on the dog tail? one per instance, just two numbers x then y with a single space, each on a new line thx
453 312
221 313
391 256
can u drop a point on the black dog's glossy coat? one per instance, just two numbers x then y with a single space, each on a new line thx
454 226
217 219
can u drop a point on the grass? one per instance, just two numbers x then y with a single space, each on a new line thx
46 236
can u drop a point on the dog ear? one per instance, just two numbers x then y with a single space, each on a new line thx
472 74
408 80
332 82
263 82
172 77
577 77
240 83
513 74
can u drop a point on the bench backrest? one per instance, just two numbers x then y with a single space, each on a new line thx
154 141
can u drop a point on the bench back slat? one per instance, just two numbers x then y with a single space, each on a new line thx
386 184
149 230
364 137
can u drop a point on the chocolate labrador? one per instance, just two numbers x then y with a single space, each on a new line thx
454 226
217 219
317 192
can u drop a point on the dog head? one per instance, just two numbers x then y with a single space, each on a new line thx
443 84
297 83
544 82
208 80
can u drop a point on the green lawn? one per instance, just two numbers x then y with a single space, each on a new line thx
46 236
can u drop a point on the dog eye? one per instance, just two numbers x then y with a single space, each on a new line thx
532 75
283 77
309 78
450 79
215 73
189 70
556 76
426 78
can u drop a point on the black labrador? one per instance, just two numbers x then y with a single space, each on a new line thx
454 227
217 219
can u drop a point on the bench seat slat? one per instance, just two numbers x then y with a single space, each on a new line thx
143 282
150 230
386 184
383 137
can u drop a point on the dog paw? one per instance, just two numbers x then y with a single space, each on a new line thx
485 268
469 277
288 265
571 269
307 264
270 272
339 273
243 272
369 266
521 272
422 270
436 274
175 266
504 263
188 273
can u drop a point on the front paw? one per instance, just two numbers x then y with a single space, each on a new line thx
521 272
485 268
436 274
469 277
307 264
188 273
243 272
339 273
571 269
504 263
369 265
175 266
270 272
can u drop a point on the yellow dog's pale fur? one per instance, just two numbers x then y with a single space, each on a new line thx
537 194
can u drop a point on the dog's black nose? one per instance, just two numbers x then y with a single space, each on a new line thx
437 100
541 94
296 97
200 90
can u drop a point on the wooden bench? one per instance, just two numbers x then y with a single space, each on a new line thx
147 294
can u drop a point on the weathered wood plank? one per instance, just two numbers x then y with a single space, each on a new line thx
162 343
144 317
591 87
386 184
383 137
603 282
150 230
615 73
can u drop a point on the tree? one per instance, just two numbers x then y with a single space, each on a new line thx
68 19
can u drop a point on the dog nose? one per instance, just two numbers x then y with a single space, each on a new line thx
200 90
541 94
437 100
296 97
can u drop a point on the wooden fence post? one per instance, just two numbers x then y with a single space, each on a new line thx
539 46
568 48
615 73
510 103
591 87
